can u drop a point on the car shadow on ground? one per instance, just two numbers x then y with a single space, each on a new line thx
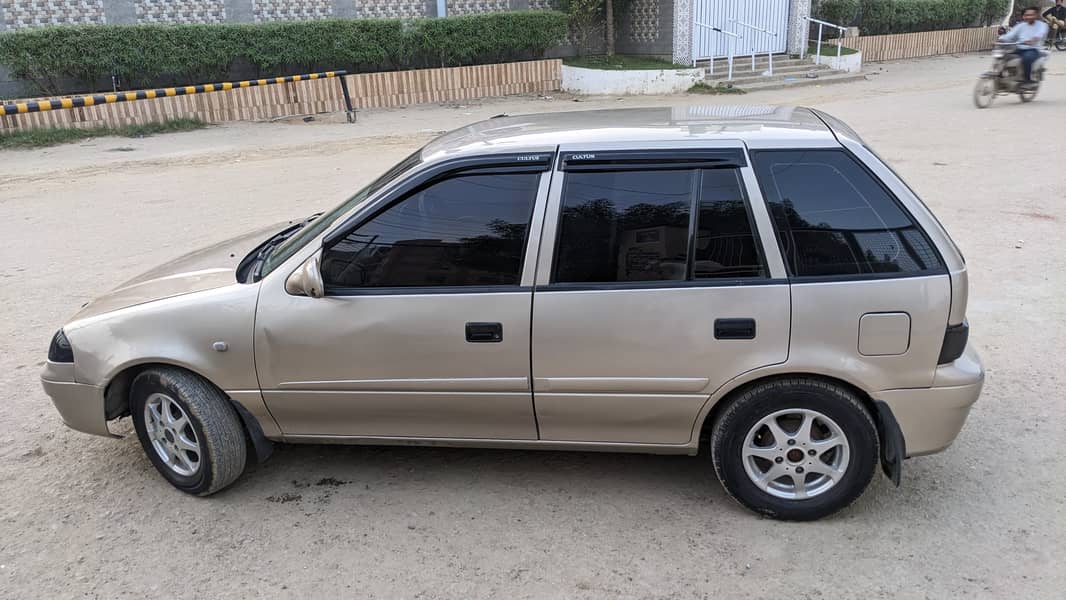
471 471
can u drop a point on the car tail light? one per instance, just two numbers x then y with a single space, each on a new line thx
60 351
954 342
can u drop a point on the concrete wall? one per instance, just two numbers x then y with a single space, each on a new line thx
647 27
601 82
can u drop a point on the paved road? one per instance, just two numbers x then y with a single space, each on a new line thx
88 517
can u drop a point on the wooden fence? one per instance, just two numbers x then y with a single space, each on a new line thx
368 90
897 46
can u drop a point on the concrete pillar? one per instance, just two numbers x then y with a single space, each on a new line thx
683 32
239 11
120 12
518 5
3 27
344 9
797 25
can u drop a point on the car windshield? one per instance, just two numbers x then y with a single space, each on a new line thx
287 248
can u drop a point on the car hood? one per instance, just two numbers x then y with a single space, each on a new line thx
204 269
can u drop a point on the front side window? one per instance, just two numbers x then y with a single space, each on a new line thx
320 224
654 225
468 230
832 217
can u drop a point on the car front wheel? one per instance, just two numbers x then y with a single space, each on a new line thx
795 449
188 429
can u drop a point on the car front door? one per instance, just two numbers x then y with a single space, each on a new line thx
424 327
659 290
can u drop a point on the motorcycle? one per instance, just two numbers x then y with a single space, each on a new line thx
1007 76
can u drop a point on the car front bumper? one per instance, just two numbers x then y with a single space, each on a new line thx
931 418
80 405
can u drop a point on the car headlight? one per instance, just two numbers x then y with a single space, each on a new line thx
59 351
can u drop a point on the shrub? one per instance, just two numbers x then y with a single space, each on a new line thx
490 37
875 17
150 55
841 12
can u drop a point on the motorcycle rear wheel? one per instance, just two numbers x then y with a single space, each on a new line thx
984 92
1028 95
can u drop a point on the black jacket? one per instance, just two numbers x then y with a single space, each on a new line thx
1058 11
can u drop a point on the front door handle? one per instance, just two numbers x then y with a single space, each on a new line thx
734 329
484 332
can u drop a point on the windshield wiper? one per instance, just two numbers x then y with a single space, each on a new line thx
268 247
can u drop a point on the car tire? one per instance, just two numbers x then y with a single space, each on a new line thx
818 472
188 429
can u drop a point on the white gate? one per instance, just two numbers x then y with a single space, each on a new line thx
762 26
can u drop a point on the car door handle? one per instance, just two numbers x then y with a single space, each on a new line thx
734 329
484 332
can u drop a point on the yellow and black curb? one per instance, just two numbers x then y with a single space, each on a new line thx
19 108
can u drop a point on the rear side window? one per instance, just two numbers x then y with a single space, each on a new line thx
654 225
725 240
624 226
832 217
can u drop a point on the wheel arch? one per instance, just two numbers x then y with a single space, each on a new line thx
729 391
117 401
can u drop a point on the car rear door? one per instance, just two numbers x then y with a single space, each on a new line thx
654 287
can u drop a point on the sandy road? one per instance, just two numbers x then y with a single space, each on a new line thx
88 517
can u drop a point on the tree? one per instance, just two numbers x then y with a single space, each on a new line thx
608 18
585 19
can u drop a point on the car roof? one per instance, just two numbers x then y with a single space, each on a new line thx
662 124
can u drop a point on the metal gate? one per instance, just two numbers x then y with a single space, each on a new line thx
755 26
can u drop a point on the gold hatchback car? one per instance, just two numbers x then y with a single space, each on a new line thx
753 281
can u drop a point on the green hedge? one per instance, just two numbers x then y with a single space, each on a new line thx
875 17
150 55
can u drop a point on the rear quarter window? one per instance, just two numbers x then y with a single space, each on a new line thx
833 217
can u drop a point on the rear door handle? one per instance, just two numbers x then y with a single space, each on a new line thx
484 332
734 329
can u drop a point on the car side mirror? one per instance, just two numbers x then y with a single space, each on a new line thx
307 279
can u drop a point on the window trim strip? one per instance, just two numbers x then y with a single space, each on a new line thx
645 160
659 285
444 290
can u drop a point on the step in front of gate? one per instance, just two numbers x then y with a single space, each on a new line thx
746 74
791 81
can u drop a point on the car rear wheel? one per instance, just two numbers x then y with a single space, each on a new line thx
188 429
795 449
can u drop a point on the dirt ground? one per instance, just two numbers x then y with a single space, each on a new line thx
87 517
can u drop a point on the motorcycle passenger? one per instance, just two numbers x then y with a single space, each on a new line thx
1058 11
1029 34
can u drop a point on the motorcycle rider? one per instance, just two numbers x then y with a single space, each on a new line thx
1029 34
